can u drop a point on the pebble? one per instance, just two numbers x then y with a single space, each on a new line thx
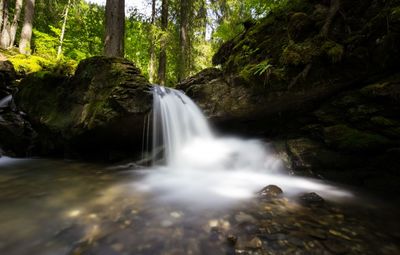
254 243
244 218
176 215
117 247
166 223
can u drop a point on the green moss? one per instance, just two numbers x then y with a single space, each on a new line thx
333 50
26 64
382 121
299 53
345 138
395 14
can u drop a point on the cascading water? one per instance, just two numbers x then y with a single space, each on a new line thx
196 164
4 102
177 121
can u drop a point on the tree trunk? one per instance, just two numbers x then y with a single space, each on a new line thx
26 33
5 31
115 28
14 24
162 65
59 51
1 13
183 39
152 64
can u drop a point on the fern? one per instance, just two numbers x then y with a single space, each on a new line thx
263 67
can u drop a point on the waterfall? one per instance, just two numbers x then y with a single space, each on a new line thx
4 102
177 121
191 163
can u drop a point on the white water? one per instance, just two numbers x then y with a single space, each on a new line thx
4 101
196 165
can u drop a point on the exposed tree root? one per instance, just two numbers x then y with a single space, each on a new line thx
333 10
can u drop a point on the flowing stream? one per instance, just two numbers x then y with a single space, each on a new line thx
198 197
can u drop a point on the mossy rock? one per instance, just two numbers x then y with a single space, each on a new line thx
102 105
345 138
300 53
387 90
43 95
333 51
300 26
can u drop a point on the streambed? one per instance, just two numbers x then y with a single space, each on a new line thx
66 207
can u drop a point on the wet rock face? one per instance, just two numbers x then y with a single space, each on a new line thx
215 96
353 138
16 133
98 112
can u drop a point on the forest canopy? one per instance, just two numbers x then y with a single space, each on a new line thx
67 31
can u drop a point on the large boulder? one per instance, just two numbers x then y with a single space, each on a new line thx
99 112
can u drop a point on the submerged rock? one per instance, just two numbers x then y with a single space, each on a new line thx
270 191
98 112
310 199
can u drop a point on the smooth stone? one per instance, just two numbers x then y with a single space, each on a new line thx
270 191
311 199
254 243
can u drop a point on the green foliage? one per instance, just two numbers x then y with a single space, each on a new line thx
45 44
263 67
138 41
83 34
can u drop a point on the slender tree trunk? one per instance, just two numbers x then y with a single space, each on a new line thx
115 28
183 39
333 10
26 33
14 24
59 51
1 13
5 31
162 65
152 64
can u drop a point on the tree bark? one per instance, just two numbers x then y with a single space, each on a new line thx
334 8
59 51
1 13
14 24
152 63
115 28
183 39
162 65
5 30
26 33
